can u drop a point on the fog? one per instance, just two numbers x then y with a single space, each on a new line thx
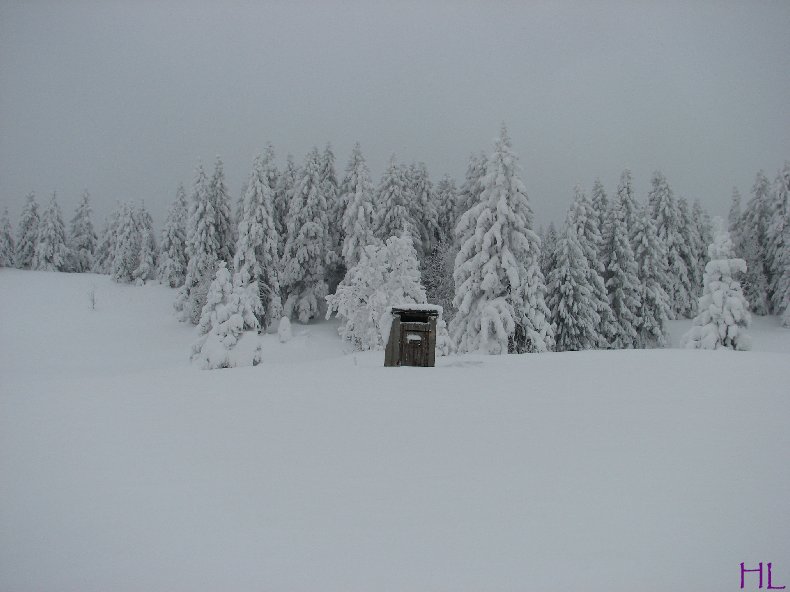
124 98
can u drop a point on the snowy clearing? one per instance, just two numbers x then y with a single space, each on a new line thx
122 467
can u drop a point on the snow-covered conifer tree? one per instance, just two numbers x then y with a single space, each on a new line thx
386 275
82 240
6 241
622 282
172 248
51 252
574 311
282 200
689 248
584 218
547 250
202 248
335 208
446 199
666 214
146 267
600 208
126 254
753 247
422 206
734 218
437 276
256 260
105 249
499 288
27 233
628 205
650 260
359 218
469 194
778 244
723 315
218 195
392 204
307 247
228 327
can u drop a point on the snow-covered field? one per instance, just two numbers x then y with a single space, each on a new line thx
124 468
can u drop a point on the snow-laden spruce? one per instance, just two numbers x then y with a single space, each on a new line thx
437 276
600 208
134 250
256 259
666 214
574 310
202 249
650 260
218 195
622 283
6 241
547 249
27 233
584 218
499 287
778 248
689 249
51 253
723 313
82 238
422 206
734 216
105 249
392 204
282 198
335 208
172 247
386 275
753 246
470 191
307 246
628 204
446 198
224 342
359 218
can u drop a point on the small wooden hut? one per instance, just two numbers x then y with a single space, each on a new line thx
412 337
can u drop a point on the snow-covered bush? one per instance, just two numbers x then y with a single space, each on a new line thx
723 313
226 316
386 275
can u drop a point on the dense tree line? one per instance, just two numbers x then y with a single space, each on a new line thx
302 243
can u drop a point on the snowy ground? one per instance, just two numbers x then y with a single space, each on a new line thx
123 468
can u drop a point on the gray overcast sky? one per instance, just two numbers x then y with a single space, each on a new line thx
123 97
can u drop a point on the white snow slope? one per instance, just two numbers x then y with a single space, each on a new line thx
124 468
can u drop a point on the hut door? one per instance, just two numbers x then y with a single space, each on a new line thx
414 344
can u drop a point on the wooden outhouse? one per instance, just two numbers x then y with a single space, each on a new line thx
412 338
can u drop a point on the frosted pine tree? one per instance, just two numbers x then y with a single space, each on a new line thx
778 245
172 247
146 267
574 311
437 277
754 243
126 253
82 240
627 202
666 214
585 220
547 250
218 195
650 260
469 194
202 248
734 218
392 204
307 246
723 315
51 253
282 199
499 288
689 248
6 241
27 233
359 218
446 205
102 259
622 282
422 207
386 275
256 260
228 327
335 208
600 208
